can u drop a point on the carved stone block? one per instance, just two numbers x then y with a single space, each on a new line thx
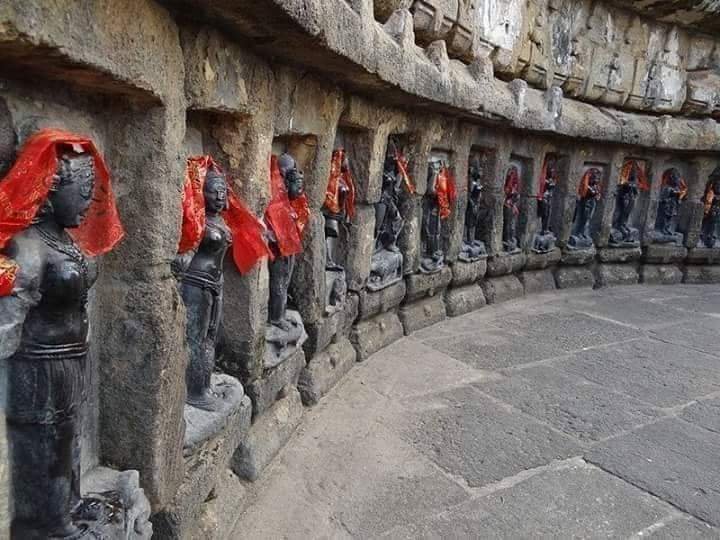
325 370
371 335
501 289
422 313
461 300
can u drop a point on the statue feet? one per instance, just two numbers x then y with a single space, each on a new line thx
386 268
283 338
667 237
432 265
511 246
472 252
624 237
544 242
579 242
206 400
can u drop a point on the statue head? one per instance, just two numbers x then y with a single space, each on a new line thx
294 178
215 192
673 178
475 189
72 190
594 178
434 168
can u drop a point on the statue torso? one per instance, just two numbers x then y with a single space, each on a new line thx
213 246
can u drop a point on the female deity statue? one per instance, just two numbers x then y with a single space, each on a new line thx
286 216
473 249
544 240
437 207
59 209
339 205
632 180
673 192
511 210
709 234
386 265
213 220
587 196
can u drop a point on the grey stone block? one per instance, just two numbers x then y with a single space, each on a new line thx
369 336
465 272
567 277
703 256
616 274
660 274
701 274
420 285
664 253
267 436
578 257
461 300
537 281
618 255
538 261
422 314
672 459
502 289
321 333
504 263
324 370
220 511
373 303
274 382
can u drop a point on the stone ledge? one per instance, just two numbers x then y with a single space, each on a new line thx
615 274
420 285
467 272
538 281
325 370
461 300
664 253
538 261
505 263
701 274
274 383
422 314
369 336
567 277
502 289
618 255
660 274
372 303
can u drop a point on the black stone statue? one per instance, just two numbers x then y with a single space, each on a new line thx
511 210
432 259
588 195
672 193
545 239
473 248
202 293
386 266
709 234
622 234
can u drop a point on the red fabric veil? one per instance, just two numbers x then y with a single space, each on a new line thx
512 187
338 177
248 244
287 218
26 187
641 174
446 192
584 185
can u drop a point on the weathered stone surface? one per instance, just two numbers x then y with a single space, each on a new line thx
422 313
574 276
705 414
321 332
501 289
703 256
371 335
660 274
324 370
678 464
537 281
538 261
221 510
701 274
275 382
203 468
618 255
420 285
465 273
615 274
461 300
373 303
578 256
503 263
266 437
664 253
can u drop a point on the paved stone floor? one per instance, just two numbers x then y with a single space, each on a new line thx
592 414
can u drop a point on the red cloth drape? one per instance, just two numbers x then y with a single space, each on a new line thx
339 178
512 188
641 174
446 192
287 218
248 243
26 187
584 185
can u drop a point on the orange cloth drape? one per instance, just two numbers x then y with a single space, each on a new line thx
445 191
339 178
641 174
25 189
287 218
248 243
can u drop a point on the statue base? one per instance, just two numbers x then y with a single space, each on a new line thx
464 273
505 263
580 242
386 269
538 261
472 252
703 255
577 257
202 425
282 343
657 237
620 239
431 265
544 242
664 253
618 254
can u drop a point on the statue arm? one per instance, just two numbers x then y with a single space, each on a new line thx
25 295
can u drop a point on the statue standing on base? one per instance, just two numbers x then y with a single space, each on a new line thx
672 193
473 249
287 215
709 234
511 210
544 240
386 266
437 207
213 220
59 209
588 195
338 210
632 180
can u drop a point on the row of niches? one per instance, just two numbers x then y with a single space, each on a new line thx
594 51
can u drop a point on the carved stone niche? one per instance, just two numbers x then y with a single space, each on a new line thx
587 214
522 207
482 165
498 26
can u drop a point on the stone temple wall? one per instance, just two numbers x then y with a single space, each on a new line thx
504 81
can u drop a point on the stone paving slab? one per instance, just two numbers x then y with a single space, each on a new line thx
571 404
662 374
705 414
701 333
672 459
708 304
470 436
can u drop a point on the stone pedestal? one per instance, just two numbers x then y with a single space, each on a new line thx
664 253
619 254
371 335
703 255
567 277
660 274
502 264
332 327
578 257
464 273
422 313
274 382
282 344
373 303
537 281
538 261
502 289
422 285
616 274
701 273
464 299
324 370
